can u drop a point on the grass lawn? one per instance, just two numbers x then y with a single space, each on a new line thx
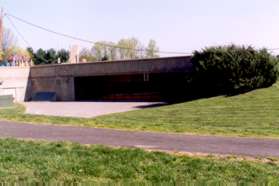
47 162
252 114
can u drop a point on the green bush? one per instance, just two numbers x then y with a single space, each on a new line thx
233 69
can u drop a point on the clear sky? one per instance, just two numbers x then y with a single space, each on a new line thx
176 25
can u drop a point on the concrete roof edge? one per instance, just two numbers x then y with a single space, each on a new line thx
115 61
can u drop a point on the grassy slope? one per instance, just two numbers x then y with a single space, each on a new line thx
252 114
41 161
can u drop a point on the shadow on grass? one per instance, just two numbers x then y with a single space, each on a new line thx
195 95
152 105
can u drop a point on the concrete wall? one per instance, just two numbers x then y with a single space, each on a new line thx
60 78
140 66
63 86
14 81
24 83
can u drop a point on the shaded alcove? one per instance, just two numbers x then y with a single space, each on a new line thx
136 87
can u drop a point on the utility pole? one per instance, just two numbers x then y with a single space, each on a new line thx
1 29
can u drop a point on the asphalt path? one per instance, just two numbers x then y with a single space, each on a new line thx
147 140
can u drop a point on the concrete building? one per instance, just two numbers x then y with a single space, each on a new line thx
137 80
74 54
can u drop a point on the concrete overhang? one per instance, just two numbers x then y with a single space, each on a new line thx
138 66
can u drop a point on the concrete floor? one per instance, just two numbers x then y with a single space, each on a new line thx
83 109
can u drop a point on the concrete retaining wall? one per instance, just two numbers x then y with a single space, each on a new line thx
14 81
24 83
140 66
60 78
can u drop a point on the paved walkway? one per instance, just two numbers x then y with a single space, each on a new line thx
147 140
83 109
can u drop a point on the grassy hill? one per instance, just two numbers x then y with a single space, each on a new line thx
252 114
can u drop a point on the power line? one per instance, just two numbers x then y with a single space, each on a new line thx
18 32
85 40
21 35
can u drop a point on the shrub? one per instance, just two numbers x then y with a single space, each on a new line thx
233 69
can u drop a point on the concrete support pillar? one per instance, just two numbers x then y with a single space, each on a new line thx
65 89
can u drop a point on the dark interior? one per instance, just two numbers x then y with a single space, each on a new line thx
140 87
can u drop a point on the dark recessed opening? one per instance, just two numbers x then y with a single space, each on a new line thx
140 87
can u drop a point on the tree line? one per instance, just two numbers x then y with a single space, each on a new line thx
10 49
50 56
127 48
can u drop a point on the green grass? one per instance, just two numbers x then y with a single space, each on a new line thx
254 114
22 161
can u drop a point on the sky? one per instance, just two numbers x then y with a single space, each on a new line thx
176 25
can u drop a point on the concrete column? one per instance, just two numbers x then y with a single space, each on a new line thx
65 89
